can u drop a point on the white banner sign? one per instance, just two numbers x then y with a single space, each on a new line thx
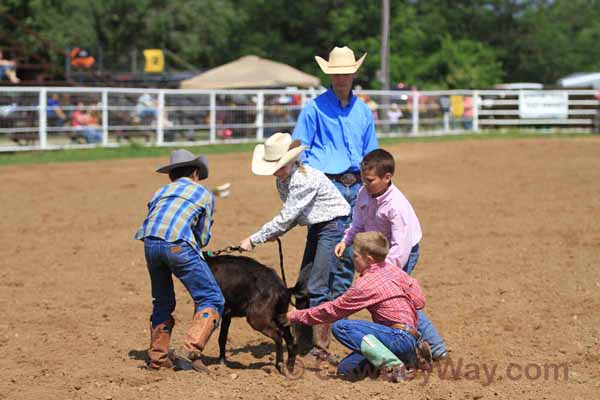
540 104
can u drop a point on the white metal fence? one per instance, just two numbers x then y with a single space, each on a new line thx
37 118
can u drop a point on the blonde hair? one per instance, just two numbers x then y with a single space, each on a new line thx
293 145
372 244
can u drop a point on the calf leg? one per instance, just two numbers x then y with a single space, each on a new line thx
263 323
291 347
223 337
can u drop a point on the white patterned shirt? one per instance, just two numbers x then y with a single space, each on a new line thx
308 197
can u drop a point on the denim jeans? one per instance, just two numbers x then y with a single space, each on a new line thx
426 329
350 333
321 271
345 273
180 259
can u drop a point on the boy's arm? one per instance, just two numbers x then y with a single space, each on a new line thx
202 228
299 197
400 244
353 300
414 291
358 222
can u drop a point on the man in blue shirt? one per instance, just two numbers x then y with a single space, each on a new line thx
338 129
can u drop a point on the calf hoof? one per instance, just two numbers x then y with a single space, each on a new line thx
293 369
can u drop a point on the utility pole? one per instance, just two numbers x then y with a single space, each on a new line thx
384 77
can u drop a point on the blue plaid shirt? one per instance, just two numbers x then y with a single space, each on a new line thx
180 210
337 137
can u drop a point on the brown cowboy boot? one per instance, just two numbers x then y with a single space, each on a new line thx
322 340
204 323
158 353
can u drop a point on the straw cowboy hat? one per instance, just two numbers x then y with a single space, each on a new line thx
341 61
274 154
183 158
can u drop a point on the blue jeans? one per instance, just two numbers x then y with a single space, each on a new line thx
180 259
345 274
321 271
351 332
426 329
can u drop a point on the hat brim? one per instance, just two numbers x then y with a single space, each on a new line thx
199 163
333 70
262 167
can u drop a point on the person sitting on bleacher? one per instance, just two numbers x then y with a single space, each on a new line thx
8 68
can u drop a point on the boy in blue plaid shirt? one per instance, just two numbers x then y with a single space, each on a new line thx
176 228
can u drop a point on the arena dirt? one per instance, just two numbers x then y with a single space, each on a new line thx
509 265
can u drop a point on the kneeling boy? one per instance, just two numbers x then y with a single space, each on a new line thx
388 293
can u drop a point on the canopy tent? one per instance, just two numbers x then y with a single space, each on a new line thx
591 79
251 72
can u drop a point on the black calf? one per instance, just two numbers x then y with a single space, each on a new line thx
254 291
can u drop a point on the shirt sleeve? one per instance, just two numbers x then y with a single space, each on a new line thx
353 300
413 290
301 194
306 127
202 228
400 244
358 221
370 142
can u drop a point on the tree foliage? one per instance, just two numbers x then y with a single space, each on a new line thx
433 43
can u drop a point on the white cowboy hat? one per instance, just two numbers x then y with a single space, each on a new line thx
183 158
274 154
341 61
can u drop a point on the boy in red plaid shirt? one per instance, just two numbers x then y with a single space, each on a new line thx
387 292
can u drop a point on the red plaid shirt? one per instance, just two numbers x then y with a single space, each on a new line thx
390 295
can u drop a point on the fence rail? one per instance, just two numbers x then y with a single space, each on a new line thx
43 118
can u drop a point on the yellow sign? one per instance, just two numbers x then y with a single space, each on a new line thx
457 107
155 61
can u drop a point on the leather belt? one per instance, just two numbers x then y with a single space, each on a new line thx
346 179
406 328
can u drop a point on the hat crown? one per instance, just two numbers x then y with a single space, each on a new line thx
179 156
341 57
276 146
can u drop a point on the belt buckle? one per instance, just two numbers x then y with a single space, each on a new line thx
348 179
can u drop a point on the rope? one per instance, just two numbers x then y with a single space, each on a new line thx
281 262
228 249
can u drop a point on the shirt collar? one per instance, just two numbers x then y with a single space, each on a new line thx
382 198
373 268
334 99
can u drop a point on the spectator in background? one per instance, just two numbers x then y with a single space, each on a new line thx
468 112
145 108
81 58
55 115
394 113
8 68
86 124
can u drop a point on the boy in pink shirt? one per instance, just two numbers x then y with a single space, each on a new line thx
381 206
388 293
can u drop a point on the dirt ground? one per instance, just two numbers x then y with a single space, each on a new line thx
509 265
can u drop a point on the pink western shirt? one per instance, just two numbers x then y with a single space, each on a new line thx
390 214
386 291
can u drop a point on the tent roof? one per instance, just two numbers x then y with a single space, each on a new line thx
251 72
581 80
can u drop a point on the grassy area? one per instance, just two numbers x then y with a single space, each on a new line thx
138 151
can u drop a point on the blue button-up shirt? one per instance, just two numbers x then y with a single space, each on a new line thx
337 137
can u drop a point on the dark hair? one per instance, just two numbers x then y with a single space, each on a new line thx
380 160
181 172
